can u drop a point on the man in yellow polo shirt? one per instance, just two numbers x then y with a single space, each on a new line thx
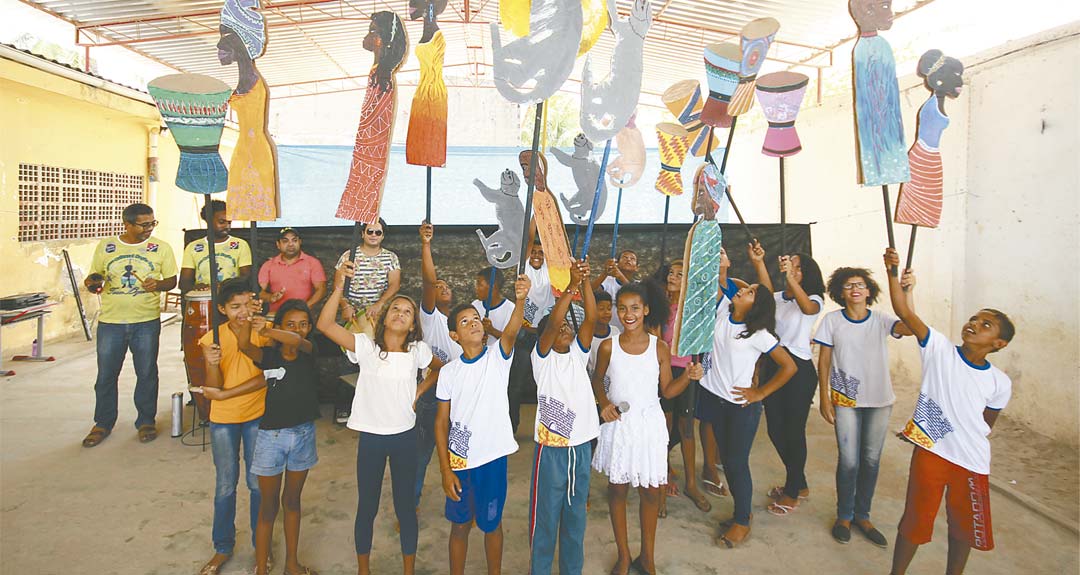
233 254
130 272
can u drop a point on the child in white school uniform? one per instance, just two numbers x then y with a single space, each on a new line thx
566 424
632 450
472 429
960 399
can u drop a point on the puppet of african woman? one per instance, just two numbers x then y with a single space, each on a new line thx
920 199
879 128
253 182
367 174
425 144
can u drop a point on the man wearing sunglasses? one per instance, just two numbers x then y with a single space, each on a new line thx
129 271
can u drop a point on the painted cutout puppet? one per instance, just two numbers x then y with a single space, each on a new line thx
683 99
920 199
626 169
722 63
253 181
514 15
755 39
531 69
710 185
674 142
586 172
367 174
608 103
425 144
879 127
696 317
781 94
193 107
501 248
549 223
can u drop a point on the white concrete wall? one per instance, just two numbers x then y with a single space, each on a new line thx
1009 232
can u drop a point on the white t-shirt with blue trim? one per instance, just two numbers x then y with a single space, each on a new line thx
731 363
793 326
499 316
948 419
437 335
859 371
565 406
480 430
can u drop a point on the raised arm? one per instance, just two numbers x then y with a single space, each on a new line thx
806 305
585 332
327 324
557 316
427 267
509 333
598 281
757 259
900 302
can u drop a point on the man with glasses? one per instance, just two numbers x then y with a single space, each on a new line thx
292 274
130 272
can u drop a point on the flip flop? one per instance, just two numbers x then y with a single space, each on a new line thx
781 510
303 571
716 489
778 492
96 436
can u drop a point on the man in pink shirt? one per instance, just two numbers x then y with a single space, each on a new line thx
291 274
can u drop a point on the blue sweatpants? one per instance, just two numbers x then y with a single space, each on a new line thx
560 492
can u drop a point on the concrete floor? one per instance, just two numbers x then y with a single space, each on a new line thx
128 508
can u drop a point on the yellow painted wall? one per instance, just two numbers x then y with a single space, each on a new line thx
51 120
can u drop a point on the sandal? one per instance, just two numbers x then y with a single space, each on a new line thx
701 502
781 510
778 492
147 433
716 489
728 543
96 436
303 571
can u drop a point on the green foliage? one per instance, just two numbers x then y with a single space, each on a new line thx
562 121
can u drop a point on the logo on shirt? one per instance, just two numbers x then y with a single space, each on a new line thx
234 245
928 424
844 388
274 376
151 247
556 422
459 445
442 355
199 248
110 248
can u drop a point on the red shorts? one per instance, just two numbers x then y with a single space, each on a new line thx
967 501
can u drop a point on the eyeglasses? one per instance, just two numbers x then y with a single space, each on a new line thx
849 287
146 225
373 232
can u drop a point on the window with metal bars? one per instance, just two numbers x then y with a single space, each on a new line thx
70 204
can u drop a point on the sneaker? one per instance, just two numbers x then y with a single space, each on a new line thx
342 416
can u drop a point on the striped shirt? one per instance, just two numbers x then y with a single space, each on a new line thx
372 276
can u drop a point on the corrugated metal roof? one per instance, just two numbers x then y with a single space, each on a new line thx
315 45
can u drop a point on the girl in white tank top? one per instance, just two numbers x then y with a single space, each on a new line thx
632 448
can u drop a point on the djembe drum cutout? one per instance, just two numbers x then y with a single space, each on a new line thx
780 95
674 142
722 62
756 38
684 101
193 107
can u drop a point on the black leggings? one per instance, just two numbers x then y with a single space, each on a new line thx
785 414
372 451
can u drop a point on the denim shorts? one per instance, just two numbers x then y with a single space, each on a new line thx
291 448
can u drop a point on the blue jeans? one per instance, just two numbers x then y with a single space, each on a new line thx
560 493
113 342
225 439
860 436
426 409
734 426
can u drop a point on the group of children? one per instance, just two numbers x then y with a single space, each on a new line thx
601 368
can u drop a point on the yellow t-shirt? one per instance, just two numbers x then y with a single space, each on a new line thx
231 255
124 266
236 368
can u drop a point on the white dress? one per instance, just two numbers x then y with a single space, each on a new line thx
633 449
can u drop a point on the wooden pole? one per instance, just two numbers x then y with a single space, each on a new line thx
663 233
615 232
595 204
783 211
254 274
911 247
427 213
357 227
723 167
888 222
208 211
530 188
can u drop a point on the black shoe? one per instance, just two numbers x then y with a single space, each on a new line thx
841 533
876 537
342 416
